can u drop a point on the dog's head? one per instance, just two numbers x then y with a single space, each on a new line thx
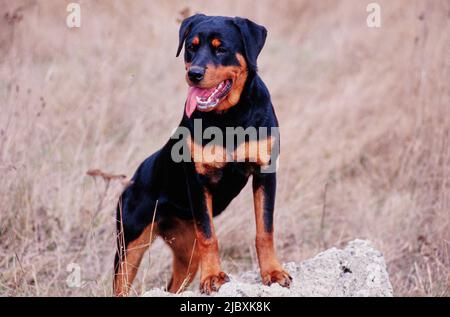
219 54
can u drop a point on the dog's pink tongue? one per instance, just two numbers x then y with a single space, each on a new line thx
191 102
193 93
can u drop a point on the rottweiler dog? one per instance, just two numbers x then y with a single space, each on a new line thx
177 199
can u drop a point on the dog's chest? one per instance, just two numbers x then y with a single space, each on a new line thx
216 161
224 175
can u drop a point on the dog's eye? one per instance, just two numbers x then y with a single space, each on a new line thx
191 47
221 50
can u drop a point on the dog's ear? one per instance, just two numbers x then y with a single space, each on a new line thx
253 37
186 27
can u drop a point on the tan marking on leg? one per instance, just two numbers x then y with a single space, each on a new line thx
129 263
270 268
181 239
212 276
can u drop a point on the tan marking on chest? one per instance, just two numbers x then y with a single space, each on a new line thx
258 152
207 158
211 157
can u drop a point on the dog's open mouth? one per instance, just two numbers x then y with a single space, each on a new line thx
206 99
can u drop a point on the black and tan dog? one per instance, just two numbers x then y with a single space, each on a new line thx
178 200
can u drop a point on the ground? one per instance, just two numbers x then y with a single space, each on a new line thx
357 270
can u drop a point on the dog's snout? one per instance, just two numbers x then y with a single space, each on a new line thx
196 74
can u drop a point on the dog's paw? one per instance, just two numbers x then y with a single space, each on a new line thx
212 283
279 276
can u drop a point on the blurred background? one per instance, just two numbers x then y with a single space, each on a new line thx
365 130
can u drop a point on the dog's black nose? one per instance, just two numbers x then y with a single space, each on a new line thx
196 74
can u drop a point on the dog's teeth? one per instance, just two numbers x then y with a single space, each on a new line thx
212 100
210 96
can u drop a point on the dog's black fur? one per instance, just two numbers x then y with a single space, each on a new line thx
177 188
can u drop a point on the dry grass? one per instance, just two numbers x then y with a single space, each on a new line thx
364 113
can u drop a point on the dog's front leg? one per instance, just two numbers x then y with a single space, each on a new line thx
211 275
264 188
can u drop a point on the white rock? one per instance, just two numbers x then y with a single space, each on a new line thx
357 270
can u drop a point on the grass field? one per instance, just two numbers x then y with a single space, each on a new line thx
365 128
